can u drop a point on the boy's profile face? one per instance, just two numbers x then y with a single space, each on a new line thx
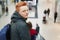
23 11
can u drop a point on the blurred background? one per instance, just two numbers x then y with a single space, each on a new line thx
48 29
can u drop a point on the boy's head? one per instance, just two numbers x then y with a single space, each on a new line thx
22 9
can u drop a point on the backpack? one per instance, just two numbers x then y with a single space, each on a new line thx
5 32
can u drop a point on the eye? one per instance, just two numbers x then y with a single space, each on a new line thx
24 10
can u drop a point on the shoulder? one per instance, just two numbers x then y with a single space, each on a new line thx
20 24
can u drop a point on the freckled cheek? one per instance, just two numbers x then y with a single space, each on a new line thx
24 13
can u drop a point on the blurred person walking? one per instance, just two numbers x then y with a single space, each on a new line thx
48 11
55 16
6 11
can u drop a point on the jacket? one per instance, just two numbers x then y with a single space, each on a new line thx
19 28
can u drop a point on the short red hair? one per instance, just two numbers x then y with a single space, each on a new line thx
19 4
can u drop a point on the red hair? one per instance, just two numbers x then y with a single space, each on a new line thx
19 4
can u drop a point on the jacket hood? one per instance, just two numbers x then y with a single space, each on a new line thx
16 16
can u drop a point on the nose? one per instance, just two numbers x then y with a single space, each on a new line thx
27 12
